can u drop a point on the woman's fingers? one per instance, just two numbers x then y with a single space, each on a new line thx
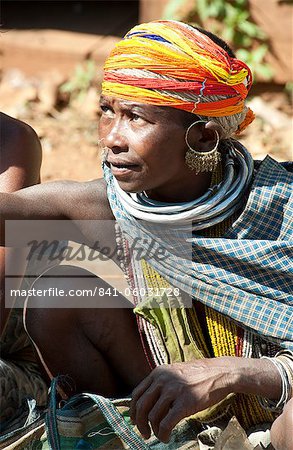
174 415
143 407
154 400
159 411
137 393
172 392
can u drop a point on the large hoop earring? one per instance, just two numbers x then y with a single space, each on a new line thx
202 161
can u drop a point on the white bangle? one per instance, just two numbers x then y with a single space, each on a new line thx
278 405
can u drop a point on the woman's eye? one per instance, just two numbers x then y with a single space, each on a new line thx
136 118
105 109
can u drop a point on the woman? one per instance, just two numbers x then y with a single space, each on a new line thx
198 235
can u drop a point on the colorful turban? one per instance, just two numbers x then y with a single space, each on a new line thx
169 63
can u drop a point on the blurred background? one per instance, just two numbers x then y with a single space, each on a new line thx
52 54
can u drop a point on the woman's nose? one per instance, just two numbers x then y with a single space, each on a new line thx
115 138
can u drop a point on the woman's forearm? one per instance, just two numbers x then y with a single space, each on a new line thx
254 376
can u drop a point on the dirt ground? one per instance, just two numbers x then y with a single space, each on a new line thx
68 130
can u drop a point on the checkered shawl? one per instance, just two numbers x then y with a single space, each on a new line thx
247 274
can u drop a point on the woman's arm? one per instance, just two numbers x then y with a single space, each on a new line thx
41 202
58 211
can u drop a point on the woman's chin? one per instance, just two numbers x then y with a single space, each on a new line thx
131 187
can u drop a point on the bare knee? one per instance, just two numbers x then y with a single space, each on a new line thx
281 431
67 297
105 339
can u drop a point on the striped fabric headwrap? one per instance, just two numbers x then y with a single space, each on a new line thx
169 63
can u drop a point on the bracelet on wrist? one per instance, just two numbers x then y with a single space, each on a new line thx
284 365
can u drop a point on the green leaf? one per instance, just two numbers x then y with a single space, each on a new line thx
246 41
230 11
242 16
241 4
243 54
217 9
228 34
81 79
172 8
289 86
202 9
259 53
265 71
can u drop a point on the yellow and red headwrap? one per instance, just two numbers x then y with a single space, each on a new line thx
169 63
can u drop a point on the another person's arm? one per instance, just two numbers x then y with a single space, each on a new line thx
21 155
20 162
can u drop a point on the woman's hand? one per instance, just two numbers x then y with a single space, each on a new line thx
175 391
172 392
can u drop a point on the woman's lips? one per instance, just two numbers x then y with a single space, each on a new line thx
121 169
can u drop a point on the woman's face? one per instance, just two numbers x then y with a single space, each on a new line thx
146 146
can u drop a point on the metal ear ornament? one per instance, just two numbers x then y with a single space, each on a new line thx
202 161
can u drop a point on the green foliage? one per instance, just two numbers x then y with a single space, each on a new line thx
289 91
171 9
289 87
230 19
255 60
78 85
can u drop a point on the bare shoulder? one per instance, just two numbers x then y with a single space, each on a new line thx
21 154
16 130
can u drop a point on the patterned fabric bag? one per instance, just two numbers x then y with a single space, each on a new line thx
89 421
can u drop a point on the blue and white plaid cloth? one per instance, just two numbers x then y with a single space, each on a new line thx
247 274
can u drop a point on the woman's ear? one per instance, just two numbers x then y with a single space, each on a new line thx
203 136
211 134
210 130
